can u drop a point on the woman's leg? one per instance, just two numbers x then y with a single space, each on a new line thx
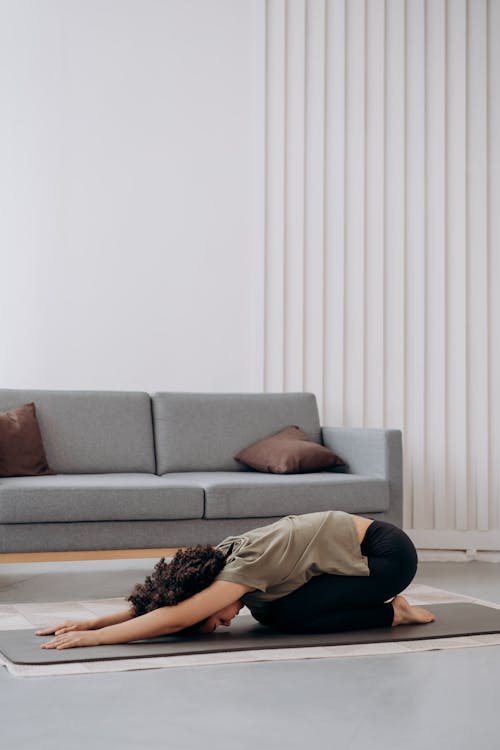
329 603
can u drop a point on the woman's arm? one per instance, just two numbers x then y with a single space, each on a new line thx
113 619
162 621
94 624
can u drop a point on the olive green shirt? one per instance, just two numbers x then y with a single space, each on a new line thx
278 558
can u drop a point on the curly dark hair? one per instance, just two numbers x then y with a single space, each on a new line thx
190 571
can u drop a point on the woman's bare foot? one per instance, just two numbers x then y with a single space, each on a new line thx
406 614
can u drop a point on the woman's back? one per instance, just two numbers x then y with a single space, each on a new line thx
280 557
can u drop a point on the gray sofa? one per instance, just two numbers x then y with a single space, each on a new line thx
140 471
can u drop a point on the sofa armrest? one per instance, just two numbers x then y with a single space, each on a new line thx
374 453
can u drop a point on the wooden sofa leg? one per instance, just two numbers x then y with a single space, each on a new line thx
110 554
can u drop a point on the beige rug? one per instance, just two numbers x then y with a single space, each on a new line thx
39 615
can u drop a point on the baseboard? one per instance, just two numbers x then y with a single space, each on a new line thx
457 555
456 540
113 554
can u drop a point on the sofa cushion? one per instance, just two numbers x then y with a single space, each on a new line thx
289 451
251 494
91 432
203 431
21 448
98 497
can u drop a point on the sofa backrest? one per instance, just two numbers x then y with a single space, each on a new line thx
203 431
91 432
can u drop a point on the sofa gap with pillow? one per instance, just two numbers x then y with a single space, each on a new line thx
139 471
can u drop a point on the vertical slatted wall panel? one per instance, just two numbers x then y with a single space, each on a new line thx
415 211
382 265
456 279
395 164
435 124
374 282
494 252
477 266
314 198
295 193
354 273
335 239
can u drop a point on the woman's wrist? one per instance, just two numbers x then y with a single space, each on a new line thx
107 638
98 635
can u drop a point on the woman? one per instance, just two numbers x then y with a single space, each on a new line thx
315 572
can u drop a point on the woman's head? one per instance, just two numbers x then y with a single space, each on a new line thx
190 571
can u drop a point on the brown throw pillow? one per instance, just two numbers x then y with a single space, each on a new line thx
21 448
289 451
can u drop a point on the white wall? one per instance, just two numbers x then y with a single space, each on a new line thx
266 195
128 194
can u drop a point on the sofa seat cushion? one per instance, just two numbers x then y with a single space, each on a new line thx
237 494
98 497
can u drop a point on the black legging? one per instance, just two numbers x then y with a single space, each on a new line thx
331 603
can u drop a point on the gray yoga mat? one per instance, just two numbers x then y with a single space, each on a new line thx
245 634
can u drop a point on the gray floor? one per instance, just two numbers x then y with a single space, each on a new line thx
434 699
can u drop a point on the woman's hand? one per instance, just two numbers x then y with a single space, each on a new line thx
67 626
74 640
